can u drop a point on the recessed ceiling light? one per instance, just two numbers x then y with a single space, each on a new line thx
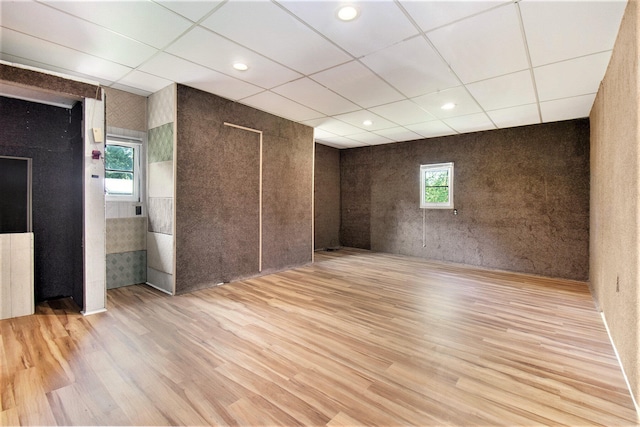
367 123
240 66
347 13
448 106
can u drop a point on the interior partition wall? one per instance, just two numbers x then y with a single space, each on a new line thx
240 210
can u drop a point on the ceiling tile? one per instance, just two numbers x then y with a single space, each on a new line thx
191 9
403 113
319 133
568 108
515 116
213 51
398 134
483 46
505 91
370 138
357 118
431 14
357 83
571 78
459 96
470 123
341 142
178 70
144 21
379 24
432 129
308 92
57 27
145 81
333 126
294 44
131 89
412 67
49 55
559 30
280 106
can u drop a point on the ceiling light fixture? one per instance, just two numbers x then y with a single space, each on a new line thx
347 13
367 123
448 106
240 66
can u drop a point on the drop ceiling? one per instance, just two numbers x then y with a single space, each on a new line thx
502 63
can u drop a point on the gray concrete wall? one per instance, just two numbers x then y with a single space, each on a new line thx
326 197
217 193
522 197
615 206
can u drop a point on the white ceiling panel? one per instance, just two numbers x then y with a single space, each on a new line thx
320 133
559 30
144 21
357 119
403 113
60 57
412 67
341 142
430 14
567 108
483 46
178 70
571 78
432 129
358 84
379 24
191 9
145 81
521 115
398 134
46 23
464 103
281 106
308 92
333 126
470 123
213 51
308 66
294 44
505 91
370 138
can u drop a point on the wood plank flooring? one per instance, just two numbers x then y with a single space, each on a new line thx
356 338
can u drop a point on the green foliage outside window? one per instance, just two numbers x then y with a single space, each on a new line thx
436 186
119 162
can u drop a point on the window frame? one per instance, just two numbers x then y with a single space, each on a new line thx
435 167
137 164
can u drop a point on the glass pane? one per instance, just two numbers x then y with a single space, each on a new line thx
119 183
436 194
436 178
119 158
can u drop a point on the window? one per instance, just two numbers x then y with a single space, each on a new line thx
122 170
436 186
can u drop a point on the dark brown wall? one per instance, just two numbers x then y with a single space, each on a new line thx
522 197
52 137
327 197
217 191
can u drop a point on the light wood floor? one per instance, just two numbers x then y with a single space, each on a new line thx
355 339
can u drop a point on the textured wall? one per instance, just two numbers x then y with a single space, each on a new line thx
126 233
615 184
126 110
160 188
522 197
327 197
217 195
355 197
51 136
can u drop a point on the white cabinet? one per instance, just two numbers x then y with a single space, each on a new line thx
16 275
